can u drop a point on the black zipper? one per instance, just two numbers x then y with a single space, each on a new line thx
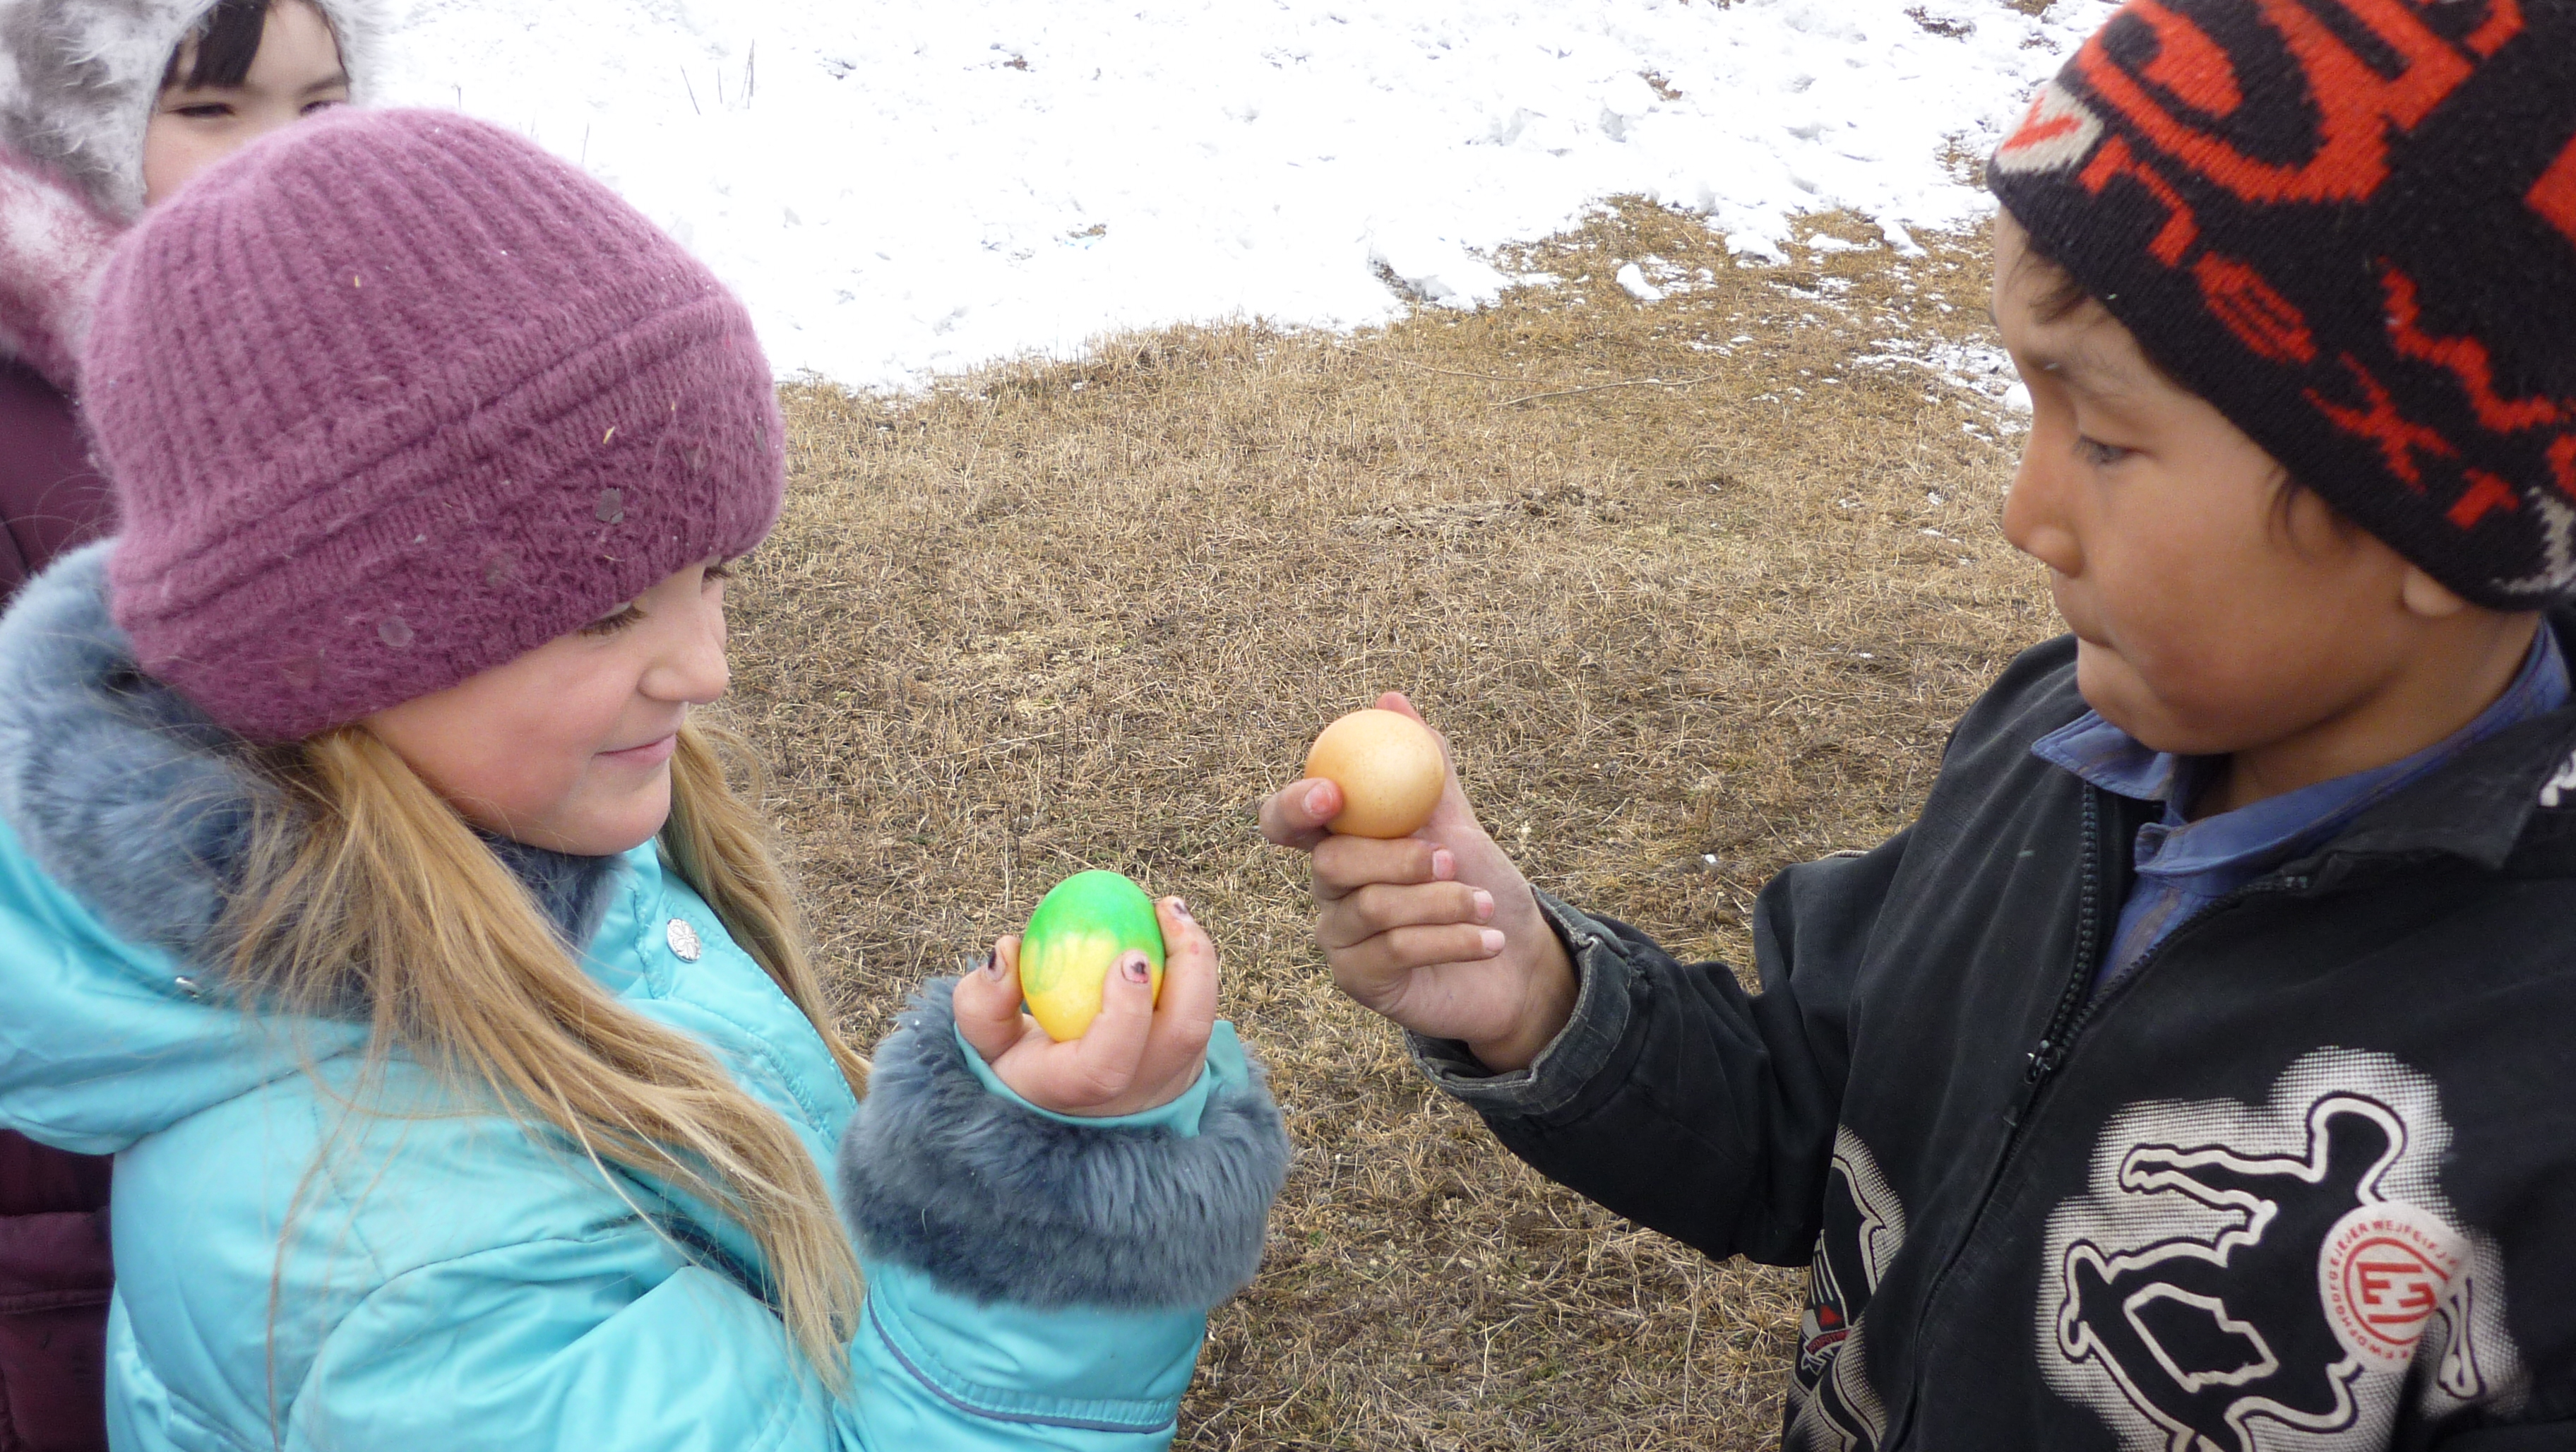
2083 1002
2076 1006
2074 998
2042 1066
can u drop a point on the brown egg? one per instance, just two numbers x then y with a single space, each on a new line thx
1389 768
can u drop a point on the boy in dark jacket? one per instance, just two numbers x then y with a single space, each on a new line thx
2193 1074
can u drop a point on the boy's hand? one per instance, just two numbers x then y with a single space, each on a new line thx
1437 931
1137 1055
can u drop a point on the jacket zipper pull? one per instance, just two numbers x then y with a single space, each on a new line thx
2043 1062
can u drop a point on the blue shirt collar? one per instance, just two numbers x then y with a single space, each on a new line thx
2232 846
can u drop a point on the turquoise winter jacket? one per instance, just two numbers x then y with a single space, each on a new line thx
425 1274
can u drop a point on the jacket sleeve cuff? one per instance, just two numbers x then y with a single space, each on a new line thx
997 1201
1578 1052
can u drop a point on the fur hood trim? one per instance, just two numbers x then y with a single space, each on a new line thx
999 1203
129 798
78 79
53 244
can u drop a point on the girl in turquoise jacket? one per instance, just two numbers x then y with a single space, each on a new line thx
366 890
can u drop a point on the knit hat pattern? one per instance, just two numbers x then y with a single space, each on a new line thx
390 398
2350 225
79 80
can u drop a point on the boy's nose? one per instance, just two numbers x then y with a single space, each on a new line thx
2035 517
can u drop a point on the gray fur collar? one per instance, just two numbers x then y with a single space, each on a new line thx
943 1175
130 799
78 79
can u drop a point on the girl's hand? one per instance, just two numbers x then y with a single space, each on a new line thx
1137 1055
1437 931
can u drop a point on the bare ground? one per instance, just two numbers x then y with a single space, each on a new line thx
1694 591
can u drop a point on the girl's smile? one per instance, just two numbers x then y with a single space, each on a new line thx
651 754
569 746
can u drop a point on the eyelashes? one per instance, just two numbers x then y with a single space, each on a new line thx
2100 454
615 621
611 624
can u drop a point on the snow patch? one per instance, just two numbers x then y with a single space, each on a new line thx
901 189
1975 368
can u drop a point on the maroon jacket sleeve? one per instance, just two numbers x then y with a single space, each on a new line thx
50 497
55 1273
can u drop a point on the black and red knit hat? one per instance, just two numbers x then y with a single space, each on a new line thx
2351 226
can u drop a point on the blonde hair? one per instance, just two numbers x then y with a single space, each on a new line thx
365 892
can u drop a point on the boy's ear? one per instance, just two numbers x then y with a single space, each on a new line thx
2429 598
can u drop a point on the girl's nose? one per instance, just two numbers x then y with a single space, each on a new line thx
691 666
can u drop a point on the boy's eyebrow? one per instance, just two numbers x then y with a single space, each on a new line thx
2082 367
2077 363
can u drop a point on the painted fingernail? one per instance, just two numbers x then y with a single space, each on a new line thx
992 965
1134 968
1493 942
1444 864
1484 906
1181 909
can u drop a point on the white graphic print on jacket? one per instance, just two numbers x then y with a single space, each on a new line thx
1863 1226
2249 1278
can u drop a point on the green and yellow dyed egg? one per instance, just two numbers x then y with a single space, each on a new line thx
1079 932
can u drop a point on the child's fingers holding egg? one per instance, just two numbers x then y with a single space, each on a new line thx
1344 865
987 1002
1385 907
1296 814
1185 1015
1189 996
1384 971
1125 991
1094 1073
1091 1074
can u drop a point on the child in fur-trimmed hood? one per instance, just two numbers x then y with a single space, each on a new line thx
85 85
105 106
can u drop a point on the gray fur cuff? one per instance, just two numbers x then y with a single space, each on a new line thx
999 1203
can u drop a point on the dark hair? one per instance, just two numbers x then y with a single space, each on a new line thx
2063 297
227 42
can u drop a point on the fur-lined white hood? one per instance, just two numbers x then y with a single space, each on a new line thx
78 79
52 245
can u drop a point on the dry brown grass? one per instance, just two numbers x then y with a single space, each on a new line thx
1081 614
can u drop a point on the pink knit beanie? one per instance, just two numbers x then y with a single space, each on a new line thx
393 397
